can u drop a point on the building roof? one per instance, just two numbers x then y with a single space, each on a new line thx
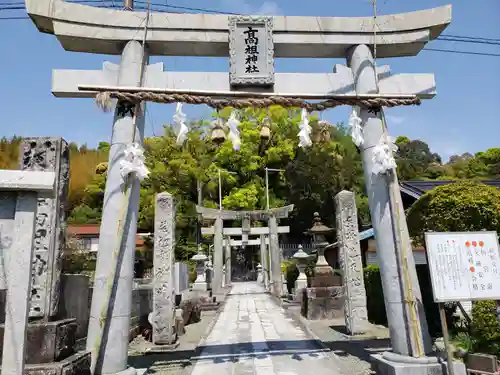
416 189
92 230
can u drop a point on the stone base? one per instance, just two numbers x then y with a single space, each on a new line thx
164 348
200 287
77 364
322 303
47 342
382 365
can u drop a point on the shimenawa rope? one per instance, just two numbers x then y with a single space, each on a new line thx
103 100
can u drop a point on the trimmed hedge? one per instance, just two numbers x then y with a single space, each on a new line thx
463 206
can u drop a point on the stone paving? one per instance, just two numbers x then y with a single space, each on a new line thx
254 336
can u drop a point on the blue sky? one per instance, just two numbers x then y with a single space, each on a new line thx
460 118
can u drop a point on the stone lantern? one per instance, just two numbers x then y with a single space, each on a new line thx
301 281
325 298
323 273
260 275
200 283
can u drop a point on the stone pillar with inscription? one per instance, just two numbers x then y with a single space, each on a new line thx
218 256
227 255
274 250
49 154
349 250
264 260
163 276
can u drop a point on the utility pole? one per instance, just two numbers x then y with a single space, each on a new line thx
128 4
267 182
220 186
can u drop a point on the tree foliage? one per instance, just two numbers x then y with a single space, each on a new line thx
308 178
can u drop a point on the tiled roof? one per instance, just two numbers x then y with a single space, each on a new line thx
92 230
84 229
416 189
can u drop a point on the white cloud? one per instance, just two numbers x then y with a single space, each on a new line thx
249 7
269 8
396 120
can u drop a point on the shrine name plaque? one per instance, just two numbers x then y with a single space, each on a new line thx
464 266
251 51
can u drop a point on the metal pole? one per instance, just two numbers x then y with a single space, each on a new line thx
128 4
220 191
267 189
267 182
446 339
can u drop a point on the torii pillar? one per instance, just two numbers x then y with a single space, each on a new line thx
271 215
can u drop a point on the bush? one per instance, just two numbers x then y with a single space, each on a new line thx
77 263
459 207
374 295
485 328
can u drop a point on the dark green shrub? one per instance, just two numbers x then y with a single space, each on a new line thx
376 306
291 274
374 295
192 272
485 329
78 262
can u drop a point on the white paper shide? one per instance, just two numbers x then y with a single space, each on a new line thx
355 127
383 157
180 127
234 133
133 162
305 130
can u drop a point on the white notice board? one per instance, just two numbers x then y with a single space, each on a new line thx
464 266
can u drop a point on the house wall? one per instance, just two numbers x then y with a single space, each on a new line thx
90 243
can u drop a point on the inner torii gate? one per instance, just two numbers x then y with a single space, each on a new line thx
137 35
270 216
244 232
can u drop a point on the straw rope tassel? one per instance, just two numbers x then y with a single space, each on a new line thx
103 317
409 297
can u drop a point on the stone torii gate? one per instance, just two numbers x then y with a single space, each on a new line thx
243 232
87 29
270 216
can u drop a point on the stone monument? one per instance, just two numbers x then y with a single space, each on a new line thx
325 298
51 340
52 155
163 318
351 265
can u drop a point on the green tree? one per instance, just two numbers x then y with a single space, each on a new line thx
416 161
